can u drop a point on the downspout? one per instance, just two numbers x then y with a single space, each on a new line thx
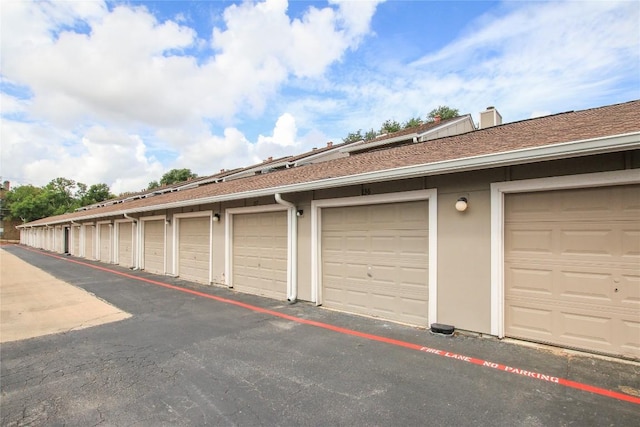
136 264
292 246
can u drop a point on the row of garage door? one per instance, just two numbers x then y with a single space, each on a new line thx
571 262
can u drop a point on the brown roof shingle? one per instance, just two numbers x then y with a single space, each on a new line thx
539 132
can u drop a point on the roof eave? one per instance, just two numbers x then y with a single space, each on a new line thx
629 141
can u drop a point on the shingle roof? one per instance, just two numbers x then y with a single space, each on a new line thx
593 123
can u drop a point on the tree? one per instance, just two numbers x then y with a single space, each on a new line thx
152 185
28 203
353 137
444 112
413 122
390 126
60 194
97 193
371 134
177 175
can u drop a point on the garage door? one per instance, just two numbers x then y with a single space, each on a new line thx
154 246
76 241
105 243
375 260
260 253
194 249
89 247
572 268
125 244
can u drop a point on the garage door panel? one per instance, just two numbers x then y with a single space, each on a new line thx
194 252
629 331
125 244
631 244
260 253
105 243
572 275
375 260
154 246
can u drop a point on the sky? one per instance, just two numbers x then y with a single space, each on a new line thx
121 92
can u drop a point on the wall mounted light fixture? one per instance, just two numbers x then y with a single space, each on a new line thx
461 204
299 212
167 221
216 217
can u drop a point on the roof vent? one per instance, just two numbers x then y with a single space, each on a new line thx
490 117
437 119
330 144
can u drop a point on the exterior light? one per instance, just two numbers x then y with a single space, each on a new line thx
216 217
299 212
461 204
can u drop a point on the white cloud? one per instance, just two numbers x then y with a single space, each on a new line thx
111 90
525 58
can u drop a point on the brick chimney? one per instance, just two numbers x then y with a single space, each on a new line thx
437 119
490 117
330 144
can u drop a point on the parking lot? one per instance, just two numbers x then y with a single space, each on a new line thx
204 355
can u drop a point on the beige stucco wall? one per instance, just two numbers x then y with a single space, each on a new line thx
464 239
464 249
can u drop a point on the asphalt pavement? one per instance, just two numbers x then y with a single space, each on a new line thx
194 355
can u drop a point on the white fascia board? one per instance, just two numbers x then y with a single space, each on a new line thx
446 125
629 141
256 168
307 159
380 142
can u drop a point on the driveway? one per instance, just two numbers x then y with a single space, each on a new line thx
205 355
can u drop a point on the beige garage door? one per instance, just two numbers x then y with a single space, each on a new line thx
154 246
76 241
89 247
105 243
260 253
572 268
375 260
194 252
125 244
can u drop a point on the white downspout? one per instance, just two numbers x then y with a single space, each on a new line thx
292 249
136 264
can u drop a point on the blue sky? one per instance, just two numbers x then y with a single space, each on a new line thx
121 92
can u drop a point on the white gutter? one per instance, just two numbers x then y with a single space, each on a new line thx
629 141
292 249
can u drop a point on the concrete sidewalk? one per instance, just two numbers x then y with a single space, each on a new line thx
34 303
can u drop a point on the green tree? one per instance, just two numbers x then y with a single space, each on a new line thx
353 137
371 134
60 194
96 193
413 122
28 203
177 175
390 126
152 185
444 112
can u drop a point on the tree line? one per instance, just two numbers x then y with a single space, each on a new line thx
390 126
62 195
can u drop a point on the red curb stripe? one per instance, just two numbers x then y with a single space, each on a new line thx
480 362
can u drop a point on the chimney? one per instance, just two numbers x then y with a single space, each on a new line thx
437 119
330 144
490 118
6 185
